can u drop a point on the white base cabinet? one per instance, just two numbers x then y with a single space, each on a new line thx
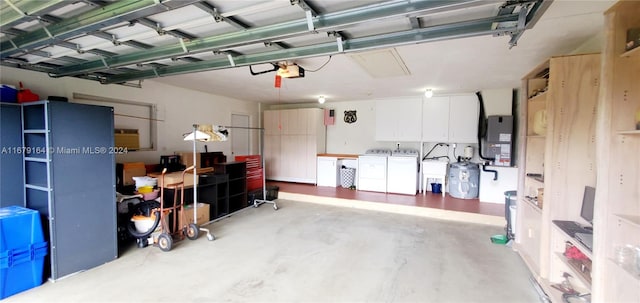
328 171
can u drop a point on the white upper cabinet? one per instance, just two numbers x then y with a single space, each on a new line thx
451 119
399 119
463 119
435 119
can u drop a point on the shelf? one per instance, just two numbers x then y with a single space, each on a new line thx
574 265
633 220
631 53
35 131
532 203
537 179
539 97
574 241
36 187
536 136
34 159
629 132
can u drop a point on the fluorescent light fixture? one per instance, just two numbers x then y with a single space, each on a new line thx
321 100
428 93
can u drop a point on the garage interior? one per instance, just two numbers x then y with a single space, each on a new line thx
406 145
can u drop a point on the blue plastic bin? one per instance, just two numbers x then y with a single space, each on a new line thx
8 94
22 250
436 188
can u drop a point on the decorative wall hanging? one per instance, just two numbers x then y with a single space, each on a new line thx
350 116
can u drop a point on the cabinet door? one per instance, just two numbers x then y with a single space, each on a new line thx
294 121
272 157
435 119
398 119
293 155
327 171
528 233
314 119
271 122
11 163
463 119
309 165
409 119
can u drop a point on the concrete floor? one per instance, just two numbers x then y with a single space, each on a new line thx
309 252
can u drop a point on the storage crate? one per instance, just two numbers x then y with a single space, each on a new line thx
8 94
22 250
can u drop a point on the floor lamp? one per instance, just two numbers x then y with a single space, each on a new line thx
202 133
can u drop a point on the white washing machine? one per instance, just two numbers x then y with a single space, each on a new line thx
403 172
372 170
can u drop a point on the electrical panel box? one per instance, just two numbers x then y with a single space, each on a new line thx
498 140
499 129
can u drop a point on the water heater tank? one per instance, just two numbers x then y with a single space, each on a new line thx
464 178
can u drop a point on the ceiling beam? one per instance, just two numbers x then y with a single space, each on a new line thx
463 29
120 11
218 17
327 22
29 9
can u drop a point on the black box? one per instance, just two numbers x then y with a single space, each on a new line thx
272 194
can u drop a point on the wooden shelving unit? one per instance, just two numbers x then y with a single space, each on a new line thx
617 205
558 131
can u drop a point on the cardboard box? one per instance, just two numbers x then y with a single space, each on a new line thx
127 138
132 169
174 177
186 158
203 214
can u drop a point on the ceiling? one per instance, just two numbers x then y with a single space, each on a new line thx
350 50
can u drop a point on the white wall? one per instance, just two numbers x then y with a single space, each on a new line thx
178 109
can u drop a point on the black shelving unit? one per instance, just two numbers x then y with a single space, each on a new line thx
216 187
213 189
69 178
237 172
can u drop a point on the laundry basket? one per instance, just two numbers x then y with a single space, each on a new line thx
347 176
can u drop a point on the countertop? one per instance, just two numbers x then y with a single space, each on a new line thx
339 156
